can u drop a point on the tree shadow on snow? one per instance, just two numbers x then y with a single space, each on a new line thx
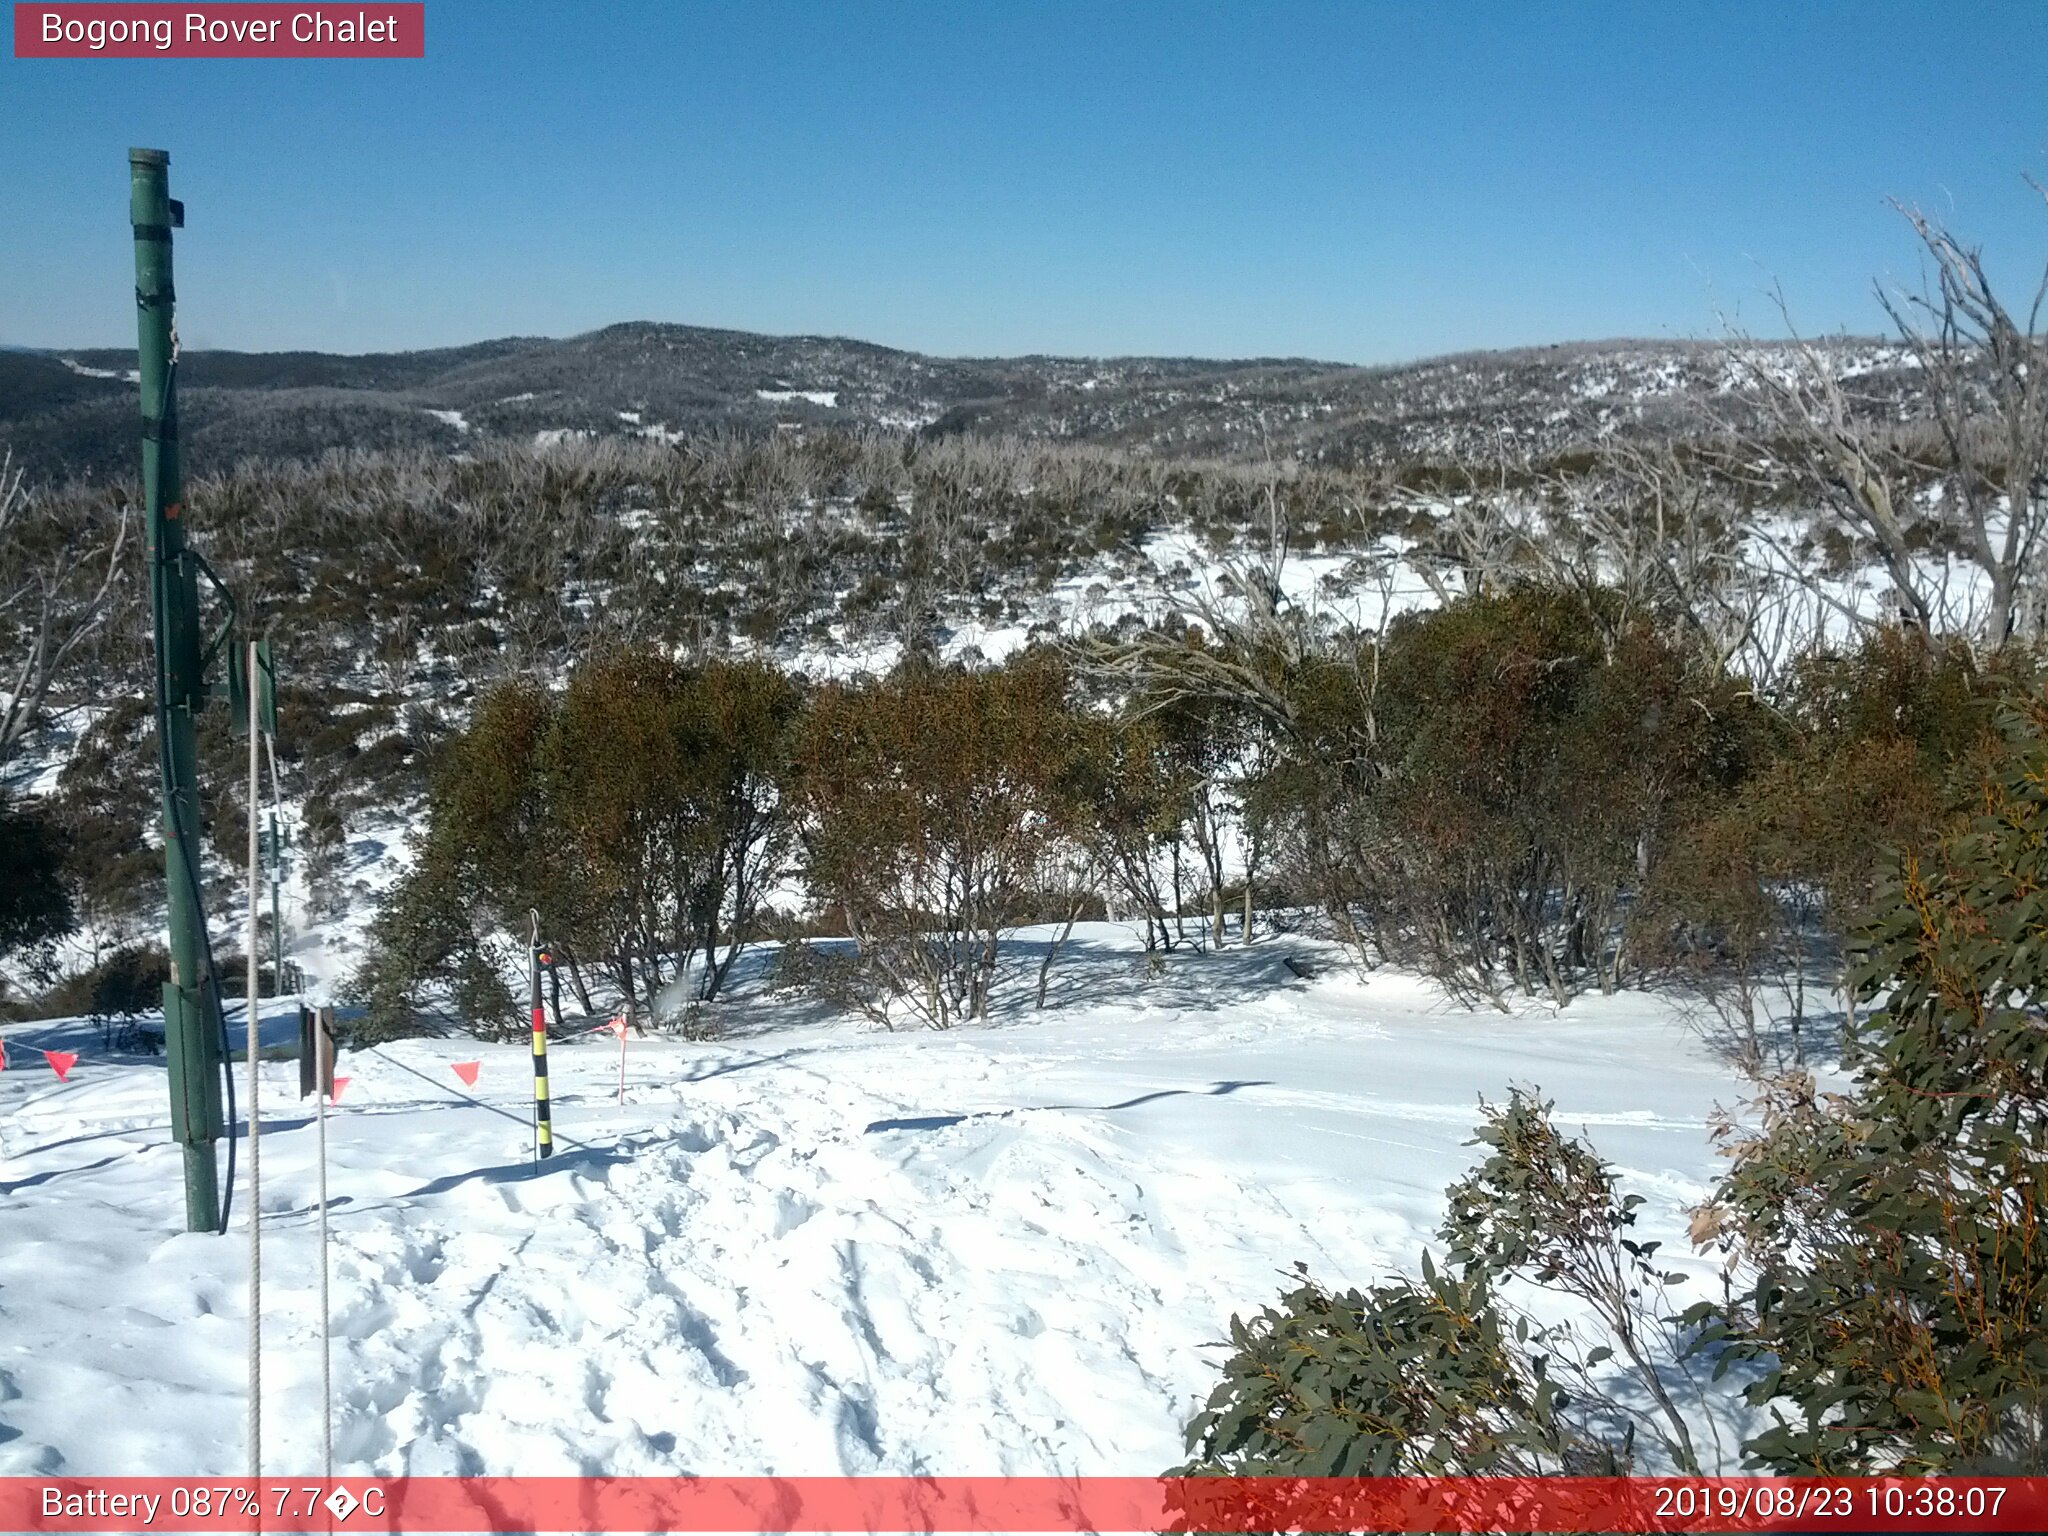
726 1069
1768 1031
580 1159
944 1122
1087 970
1184 979
57 1173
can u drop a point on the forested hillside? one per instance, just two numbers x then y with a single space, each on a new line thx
68 414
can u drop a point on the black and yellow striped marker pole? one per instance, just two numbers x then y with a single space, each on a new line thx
543 1131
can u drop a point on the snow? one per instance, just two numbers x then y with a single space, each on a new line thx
909 421
808 1248
454 419
825 397
129 375
1365 589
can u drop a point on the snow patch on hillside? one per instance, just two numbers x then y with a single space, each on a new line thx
130 375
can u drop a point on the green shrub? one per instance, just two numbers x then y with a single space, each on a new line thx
1897 1270
1443 1376
1406 1379
1765 879
1483 795
35 902
112 993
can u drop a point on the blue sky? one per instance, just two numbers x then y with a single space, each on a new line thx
1355 181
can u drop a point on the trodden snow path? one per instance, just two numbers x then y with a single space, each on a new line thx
817 1249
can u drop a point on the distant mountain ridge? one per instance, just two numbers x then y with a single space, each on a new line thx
71 413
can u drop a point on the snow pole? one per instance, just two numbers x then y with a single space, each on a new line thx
255 1016
323 1086
543 1131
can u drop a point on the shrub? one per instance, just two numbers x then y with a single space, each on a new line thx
1545 1209
641 814
1897 1270
1888 1271
930 800
35 904
1405 1379
1766 878
1482 795
1441 1377
128 982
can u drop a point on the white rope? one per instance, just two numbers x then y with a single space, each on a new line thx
255 1062
323 1074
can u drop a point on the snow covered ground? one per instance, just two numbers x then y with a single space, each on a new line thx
810 1248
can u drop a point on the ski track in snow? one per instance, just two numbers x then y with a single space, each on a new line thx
811 1251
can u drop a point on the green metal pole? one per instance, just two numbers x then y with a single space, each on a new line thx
192 1017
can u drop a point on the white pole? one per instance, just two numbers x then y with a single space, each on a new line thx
619 1024
255 1062
323 1058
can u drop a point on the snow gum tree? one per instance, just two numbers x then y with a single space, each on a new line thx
667 791
1481 792
641 814
929 800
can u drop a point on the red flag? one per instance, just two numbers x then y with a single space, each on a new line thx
618 1026
61 1062
339 1084
3 1055
466 1070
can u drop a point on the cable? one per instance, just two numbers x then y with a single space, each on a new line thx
163 754
227 1072
277 867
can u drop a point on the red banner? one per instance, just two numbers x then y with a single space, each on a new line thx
246 31
946 1504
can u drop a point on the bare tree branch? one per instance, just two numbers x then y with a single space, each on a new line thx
1981 492
55 604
